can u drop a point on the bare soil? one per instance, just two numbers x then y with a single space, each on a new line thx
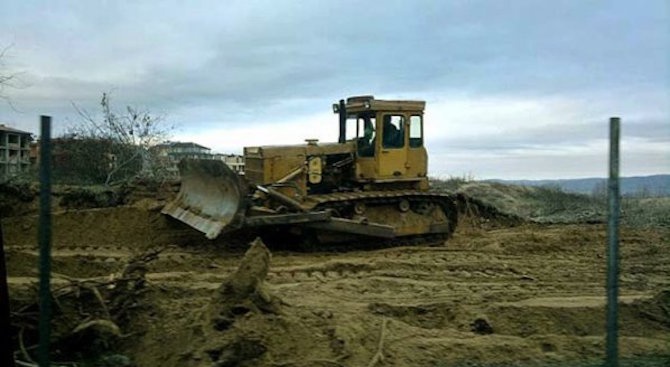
530 294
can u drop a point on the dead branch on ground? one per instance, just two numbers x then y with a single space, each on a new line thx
379 356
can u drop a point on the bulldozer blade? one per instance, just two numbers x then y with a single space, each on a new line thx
210 198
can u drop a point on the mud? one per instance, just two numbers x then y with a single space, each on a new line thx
527 294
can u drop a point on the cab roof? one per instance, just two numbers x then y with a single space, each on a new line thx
369 103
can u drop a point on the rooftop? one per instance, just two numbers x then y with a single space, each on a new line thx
179 144
6 128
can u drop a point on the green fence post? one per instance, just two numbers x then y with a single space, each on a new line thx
44 240
613 199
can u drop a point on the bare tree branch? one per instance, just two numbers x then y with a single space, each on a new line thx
127 137
6 79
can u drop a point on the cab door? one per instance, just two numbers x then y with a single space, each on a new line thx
392 156
417 158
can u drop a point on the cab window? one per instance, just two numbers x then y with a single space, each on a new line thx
351 128
366 132
393 131
415 131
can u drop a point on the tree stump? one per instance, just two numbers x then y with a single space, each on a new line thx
244 291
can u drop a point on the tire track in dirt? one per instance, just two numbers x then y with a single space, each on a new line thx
539 289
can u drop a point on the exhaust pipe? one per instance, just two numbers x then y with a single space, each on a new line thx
343 122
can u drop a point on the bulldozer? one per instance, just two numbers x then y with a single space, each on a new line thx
369 187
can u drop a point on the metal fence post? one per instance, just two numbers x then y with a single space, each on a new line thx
44 240
6 352
613 199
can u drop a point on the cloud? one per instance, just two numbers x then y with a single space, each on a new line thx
505 76
572 163
546 137
233 137
563 119
492 137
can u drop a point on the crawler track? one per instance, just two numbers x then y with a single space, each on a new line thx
424 209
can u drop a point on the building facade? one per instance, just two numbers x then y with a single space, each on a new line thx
169 154
234 161
14 151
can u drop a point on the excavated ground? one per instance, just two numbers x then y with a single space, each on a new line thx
524 295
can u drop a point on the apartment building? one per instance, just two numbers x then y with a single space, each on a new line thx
170 153
14 151
234 161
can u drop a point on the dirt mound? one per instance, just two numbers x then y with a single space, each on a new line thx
539 204
17 198
20 197
101 226
76 197
243 324
474 213
498 294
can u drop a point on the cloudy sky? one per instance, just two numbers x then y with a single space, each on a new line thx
514 89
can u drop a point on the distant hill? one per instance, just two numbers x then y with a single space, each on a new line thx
656 185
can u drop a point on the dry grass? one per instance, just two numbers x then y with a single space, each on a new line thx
549 204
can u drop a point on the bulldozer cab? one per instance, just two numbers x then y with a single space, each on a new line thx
389 138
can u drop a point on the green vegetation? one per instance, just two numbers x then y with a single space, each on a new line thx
550 204
646 212
451 184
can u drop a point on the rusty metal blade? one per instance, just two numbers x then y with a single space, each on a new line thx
210 198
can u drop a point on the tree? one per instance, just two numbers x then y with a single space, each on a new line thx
78 160
6 78
116 143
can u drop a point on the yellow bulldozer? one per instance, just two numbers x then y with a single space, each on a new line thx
369 187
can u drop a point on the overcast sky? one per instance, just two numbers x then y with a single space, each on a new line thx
514 89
